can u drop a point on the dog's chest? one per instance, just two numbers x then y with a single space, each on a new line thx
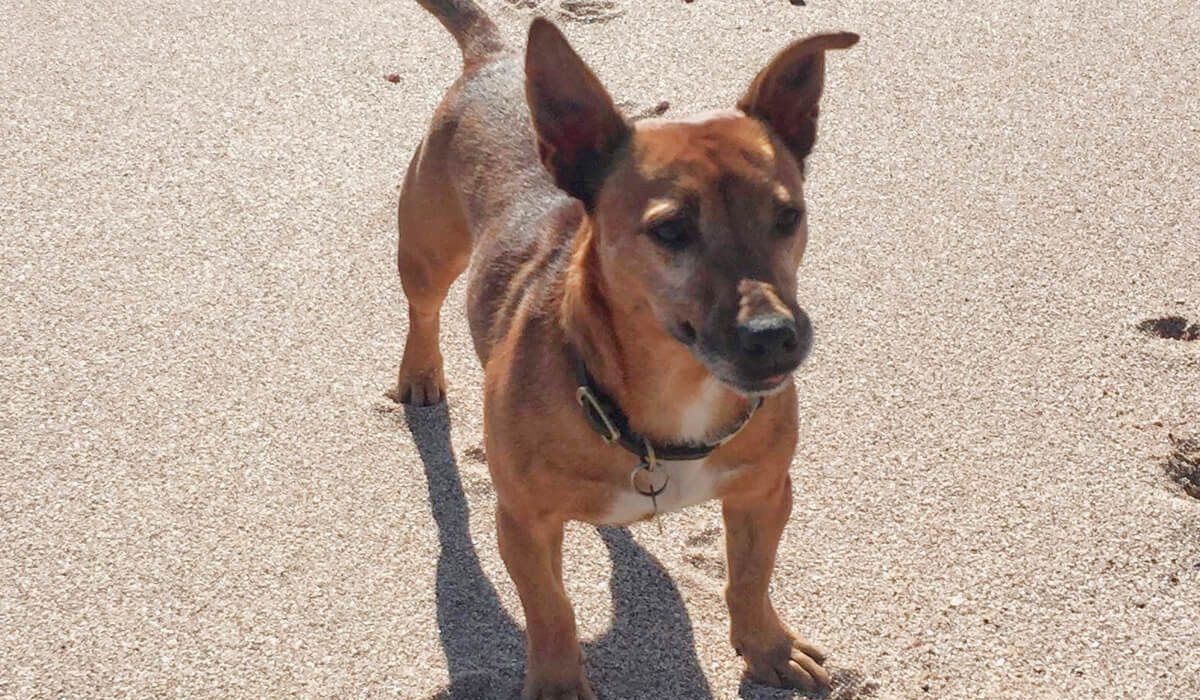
690 483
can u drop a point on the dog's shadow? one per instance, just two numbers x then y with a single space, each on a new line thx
649 652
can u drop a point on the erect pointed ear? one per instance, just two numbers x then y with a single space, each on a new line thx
785 93
577 126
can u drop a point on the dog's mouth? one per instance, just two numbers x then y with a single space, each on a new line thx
726 370
753 387
767 385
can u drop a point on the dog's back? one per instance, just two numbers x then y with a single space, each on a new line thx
480 153
517 220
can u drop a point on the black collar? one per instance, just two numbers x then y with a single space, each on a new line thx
612 425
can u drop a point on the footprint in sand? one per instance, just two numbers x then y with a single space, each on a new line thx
476 454
636 112
1183 464
589 10
705 554
1171 328
583 11
705 537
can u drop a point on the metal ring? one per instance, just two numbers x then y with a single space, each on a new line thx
653 492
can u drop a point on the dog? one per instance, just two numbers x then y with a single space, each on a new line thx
632 299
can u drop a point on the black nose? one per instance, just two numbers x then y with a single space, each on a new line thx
768 338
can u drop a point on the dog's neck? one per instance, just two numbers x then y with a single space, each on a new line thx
668 395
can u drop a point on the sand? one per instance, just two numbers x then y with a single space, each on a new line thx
204 492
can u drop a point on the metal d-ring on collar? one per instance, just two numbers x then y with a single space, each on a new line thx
610 422
649 465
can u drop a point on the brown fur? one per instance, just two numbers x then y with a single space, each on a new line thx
556 227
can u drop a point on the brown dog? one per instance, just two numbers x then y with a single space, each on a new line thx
632 299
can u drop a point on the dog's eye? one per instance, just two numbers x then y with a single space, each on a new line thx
786 221
673 234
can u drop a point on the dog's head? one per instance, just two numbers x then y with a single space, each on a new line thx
698 223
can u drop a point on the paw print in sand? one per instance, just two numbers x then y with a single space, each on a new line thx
706 553
583 11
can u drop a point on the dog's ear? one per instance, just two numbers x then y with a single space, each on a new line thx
577 126
786 93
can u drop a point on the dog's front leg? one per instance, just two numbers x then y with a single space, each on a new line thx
774 654
532 551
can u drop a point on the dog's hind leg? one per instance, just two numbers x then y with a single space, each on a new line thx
433 250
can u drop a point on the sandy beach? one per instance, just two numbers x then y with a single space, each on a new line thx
204 492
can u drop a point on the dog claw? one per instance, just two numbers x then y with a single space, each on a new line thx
796 663
419 389
579 689
581 693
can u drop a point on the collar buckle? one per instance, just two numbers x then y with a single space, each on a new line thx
596 415
612 425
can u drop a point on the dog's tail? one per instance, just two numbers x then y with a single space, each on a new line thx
474 31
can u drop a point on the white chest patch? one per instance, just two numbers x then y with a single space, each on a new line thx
697 419
691 483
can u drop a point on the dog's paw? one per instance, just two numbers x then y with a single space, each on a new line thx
785 660
578 690
419 388
557 677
